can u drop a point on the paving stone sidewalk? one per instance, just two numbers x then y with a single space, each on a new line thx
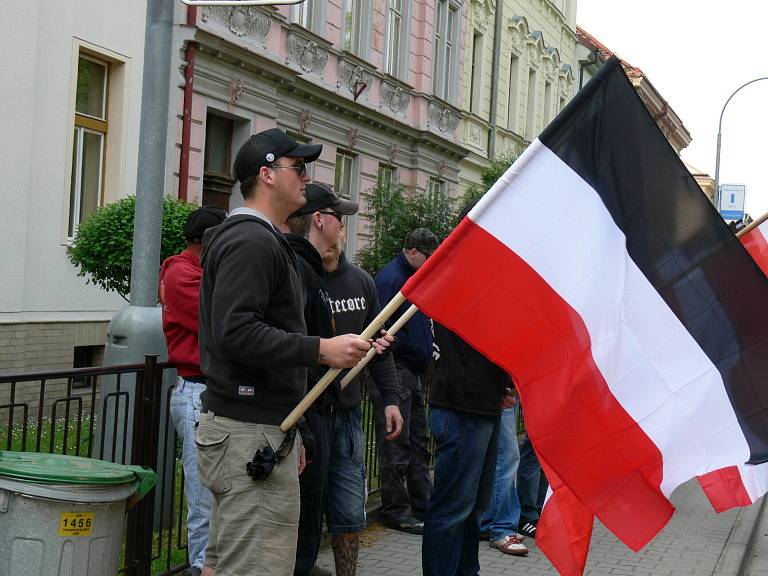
696 542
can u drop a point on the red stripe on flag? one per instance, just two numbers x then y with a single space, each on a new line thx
725 489
756 245
565 528
489 296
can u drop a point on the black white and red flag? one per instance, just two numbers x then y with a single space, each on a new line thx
633 321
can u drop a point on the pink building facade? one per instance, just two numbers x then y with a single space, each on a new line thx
377 82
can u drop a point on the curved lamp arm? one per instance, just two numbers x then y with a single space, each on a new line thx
719 136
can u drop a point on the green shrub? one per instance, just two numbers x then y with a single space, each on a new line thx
489 175
394 212
103 244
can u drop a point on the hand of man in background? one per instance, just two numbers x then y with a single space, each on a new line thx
393 421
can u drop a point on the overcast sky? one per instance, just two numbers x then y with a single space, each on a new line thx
696 53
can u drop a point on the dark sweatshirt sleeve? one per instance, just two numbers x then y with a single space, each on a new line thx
382 367
249 270
387 286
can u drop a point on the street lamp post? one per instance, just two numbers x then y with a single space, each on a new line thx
719 136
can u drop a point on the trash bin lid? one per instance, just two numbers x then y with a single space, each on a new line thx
60 469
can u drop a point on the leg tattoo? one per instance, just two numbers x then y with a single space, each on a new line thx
345 549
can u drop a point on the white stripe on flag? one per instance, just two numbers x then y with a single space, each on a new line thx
645 354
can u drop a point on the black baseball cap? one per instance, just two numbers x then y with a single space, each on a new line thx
320 197
264 148
422 240
202 219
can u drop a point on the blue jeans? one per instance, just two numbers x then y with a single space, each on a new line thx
531 484
503 514
347 492
465 461
185 412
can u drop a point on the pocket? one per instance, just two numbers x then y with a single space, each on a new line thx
212 464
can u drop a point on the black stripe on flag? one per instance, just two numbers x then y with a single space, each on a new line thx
674 236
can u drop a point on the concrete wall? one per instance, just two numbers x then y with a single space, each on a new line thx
39 43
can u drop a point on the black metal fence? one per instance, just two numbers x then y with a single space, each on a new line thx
121 414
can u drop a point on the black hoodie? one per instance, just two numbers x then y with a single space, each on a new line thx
355 304
317 310
254 347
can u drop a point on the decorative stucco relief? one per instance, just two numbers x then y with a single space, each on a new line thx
306 54
244 22
236 89
305 119
534 55
354 78
475 134
517 41
394 97
443 118
392 152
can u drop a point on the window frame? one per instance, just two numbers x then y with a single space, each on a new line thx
436 187
84 123
394 57
445 49
350 159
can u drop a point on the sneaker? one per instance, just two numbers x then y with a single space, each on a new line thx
320 571
511 544
527 529
405 523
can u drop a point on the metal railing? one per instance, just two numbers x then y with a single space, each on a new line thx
122 414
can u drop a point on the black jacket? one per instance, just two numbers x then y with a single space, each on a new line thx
413 344
465 380
254 347
355 304
317 310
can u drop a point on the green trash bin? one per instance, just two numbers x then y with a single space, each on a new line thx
64 515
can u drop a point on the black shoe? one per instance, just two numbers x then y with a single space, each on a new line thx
527 529
485 535
191 571
405 523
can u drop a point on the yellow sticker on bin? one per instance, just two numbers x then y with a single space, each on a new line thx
76 523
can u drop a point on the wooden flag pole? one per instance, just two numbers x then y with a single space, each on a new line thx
752 226
349 376
371 330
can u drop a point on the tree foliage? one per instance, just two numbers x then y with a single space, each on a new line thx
488 175
103 245
395 212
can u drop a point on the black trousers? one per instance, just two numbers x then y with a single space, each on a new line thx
313 483
404 462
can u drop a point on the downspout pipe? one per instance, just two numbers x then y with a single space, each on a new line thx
186 118
495 79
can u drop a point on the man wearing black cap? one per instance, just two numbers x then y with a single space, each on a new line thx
404 464
179 296
354 304
254 352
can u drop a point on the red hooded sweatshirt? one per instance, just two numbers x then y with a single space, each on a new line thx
179 295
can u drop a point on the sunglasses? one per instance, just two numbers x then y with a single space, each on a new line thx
301 169
339 217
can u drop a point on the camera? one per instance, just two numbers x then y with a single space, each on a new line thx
262 464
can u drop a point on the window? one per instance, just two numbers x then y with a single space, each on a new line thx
547 101
530 129
386 177
395 37
435 188
355 13
345 185
217 163
476 80
86 357
447 20
302 14
514 89
90 132
562 103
